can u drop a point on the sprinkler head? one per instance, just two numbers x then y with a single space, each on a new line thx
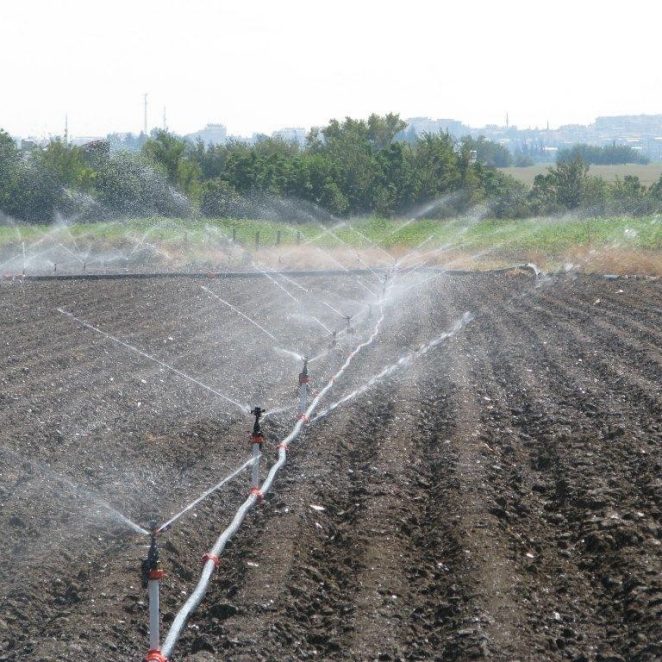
348 319
303 375
151 564
257 412
333 339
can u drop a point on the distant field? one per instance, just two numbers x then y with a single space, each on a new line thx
616 245
648 174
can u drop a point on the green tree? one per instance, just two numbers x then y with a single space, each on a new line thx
437 167
563 187
488 152
67 164
172 153
129 185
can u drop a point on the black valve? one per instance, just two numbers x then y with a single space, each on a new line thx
303 375
348 319
257 430
151 563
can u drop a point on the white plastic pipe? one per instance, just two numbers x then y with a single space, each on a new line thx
208 569
303 398
255 470
154 624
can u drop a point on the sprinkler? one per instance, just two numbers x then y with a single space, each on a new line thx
303 389
152 574
257 439
333 339
384 285
348 319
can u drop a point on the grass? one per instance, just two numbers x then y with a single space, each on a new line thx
648 174
549 240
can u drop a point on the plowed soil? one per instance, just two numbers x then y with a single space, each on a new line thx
498 498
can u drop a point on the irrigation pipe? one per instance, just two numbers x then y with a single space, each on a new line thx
402 362
212 558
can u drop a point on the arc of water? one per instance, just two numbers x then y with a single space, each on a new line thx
310 240
372 243
342 241
207 493
239 312
399 228
344 268
94 498
244 408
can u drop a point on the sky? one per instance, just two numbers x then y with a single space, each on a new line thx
260 66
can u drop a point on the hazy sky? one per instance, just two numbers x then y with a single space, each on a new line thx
262 65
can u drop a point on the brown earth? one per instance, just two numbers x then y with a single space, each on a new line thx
498 498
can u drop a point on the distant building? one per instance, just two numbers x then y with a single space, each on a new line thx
291 135
212 134
28 144
79 141
423 125
642 132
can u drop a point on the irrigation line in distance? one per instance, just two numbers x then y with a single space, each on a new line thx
401 363
201 588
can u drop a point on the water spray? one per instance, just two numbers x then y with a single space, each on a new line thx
152 574
211 559
239 312
370 241
205 494
87 325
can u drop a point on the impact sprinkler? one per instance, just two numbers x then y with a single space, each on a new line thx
152 574
257 439
303 389
348 319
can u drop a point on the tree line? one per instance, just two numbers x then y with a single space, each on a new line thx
349 167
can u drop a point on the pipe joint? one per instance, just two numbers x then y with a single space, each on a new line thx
213 558
256 491
155 655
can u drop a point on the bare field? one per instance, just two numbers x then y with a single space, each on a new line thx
499 498
648 174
